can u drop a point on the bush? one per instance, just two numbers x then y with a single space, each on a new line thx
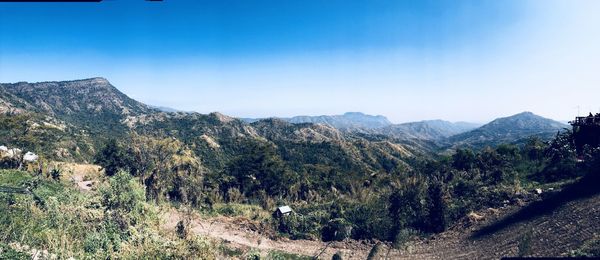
374 251
525 243
181 230
112 158
253 255
336 229
371 220
124 200
337 256
299 227
279 255
55 174
6 252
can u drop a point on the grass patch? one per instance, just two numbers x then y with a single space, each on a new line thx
14 178
6 252
230 252
279 255
116 222
253 212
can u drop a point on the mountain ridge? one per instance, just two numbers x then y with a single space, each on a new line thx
94 111
93 107
508 129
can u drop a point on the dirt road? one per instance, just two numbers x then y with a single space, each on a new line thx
238 236
551 228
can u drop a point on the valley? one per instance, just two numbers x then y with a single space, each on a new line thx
359 186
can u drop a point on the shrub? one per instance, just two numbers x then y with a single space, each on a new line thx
253 255
525 243
6 252
181 229
299 227
124 200
336 229
55 174
337 256
112 157
374 251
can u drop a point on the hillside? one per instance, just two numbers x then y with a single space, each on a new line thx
70 100
342 185
73 117
428 130
560 223
71 120
348 121
510 129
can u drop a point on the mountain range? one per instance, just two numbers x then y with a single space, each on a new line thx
71 120
358 122
347 121
76 117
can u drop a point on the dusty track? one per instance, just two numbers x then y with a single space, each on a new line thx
239 236
556 225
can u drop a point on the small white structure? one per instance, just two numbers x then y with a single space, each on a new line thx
282 211
30 157
538 191
13 152
3 151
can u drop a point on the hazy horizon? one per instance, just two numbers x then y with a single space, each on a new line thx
409 61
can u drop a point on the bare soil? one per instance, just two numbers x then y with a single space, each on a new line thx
552 226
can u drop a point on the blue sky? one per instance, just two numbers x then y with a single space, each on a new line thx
408 60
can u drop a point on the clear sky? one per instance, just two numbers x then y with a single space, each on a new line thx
459 60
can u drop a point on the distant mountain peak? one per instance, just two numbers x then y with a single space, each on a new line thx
70 98
427 129
354 114
96 80
524 120
509 129
348 120
525 113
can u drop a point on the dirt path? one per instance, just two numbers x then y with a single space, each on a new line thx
551 230
84 176
229 230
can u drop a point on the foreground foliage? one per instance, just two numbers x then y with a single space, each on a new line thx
115 222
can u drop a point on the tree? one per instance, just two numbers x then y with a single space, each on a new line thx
408 205
260 168
436 221
167 167
562 158
463 159
534 148
111 158
123 198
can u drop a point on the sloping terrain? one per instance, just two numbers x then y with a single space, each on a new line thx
510 129
347 121
79 116
428 130
556 225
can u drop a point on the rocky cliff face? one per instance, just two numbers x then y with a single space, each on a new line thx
71 98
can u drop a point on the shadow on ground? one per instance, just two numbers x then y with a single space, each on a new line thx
586 187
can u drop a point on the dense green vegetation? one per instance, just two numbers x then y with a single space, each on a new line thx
340 185
337 201
114 222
